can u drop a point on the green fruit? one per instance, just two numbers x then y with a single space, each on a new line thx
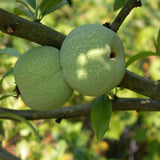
92 59
40 80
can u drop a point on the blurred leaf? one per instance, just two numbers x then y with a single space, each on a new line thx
153 150
79 155
139 135
154 69
47 7
11 52
101 111
20 118
32 3
60 147
118 4
23 12
5 96
9 72
140 55
158 41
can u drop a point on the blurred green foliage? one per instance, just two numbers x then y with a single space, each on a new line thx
131 134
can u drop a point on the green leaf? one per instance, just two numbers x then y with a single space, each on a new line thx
118 4
23 12
10 51
158 41
32 3
101 111
140 55
20 118
23 2
9 72
47 7
53 9
29 10
79 155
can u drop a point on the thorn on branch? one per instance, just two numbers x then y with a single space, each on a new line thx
58 120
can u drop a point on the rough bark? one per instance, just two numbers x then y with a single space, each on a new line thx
32 31
83 110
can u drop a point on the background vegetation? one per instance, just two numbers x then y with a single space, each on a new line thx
132 135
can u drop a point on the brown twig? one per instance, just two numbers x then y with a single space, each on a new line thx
32 31
142 85
5 155
83 110
124 13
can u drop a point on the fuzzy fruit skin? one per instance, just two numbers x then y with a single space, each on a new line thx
86 59
39 77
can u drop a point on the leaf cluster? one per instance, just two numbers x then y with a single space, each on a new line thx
36 11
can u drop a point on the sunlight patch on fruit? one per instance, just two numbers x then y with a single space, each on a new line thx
81 74
96 52
82 59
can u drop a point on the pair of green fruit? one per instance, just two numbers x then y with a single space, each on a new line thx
91 61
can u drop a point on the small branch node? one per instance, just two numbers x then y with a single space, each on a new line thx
10 29
107 24
62 116
139 3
